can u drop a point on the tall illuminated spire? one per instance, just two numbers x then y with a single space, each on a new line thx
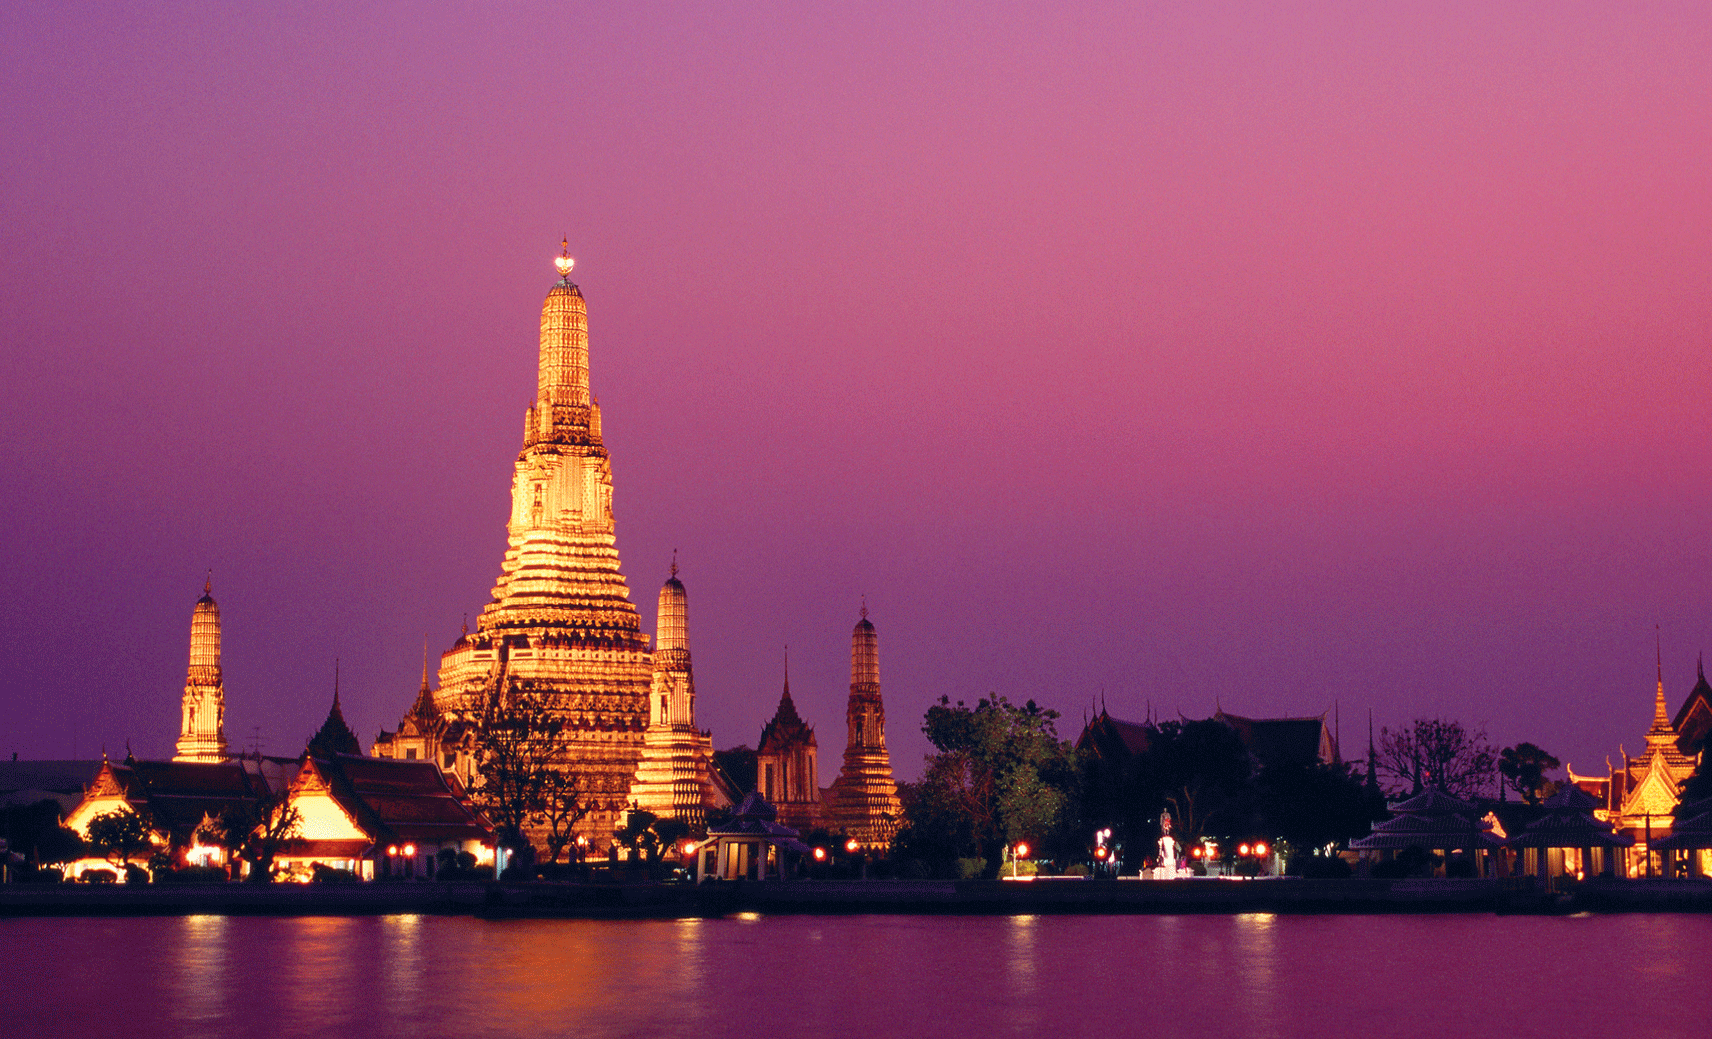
202 733
864 797
560 621
675 777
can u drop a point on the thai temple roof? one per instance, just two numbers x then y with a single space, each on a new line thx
395 800
787 725
755 816
335 737
1568 822
1430 819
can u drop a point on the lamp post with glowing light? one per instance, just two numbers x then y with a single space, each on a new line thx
1018 853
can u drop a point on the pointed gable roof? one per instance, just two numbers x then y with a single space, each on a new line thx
1694 719
1113 739
787 727
334 736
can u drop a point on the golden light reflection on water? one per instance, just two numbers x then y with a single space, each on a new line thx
1256 951
1256 976
402 945
1023 969
200 965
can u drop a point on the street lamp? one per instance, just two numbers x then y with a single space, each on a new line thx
1021 852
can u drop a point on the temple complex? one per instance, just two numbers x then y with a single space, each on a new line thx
560 622
863 802
786 767
202 733
676 778
1640 797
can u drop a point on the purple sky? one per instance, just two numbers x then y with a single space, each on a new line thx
1273 355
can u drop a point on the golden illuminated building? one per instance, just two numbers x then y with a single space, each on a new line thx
201 734
1641 795
676 778
864 798
560 621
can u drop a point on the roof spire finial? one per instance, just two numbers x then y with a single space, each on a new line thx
335 681
563 262
466 624
208 583
864 606
424 661
674 564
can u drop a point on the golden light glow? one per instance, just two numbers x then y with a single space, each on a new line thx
820 854
1260 848
563 261
410 850
1022 849
851 845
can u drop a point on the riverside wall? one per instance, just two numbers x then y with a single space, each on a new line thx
499 901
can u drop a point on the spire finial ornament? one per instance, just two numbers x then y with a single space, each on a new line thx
674 563
335 681
208 583
864 607
563 262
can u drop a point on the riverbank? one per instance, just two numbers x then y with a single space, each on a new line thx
983 897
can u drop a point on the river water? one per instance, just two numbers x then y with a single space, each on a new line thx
1254 975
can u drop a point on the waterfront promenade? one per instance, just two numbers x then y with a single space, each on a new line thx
968 897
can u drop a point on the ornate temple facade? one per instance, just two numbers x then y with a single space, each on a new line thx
560 623
202 728
676 777
786 767
1640 797
863 802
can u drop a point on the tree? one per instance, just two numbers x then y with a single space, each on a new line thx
525 781
563 803
254 831
1697 790
1001 775
1203 773
1309 807
1436 752
121 835
1524 769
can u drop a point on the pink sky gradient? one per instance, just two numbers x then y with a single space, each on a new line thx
1273 356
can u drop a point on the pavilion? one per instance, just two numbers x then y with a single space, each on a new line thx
1567 840
1433 821
752 845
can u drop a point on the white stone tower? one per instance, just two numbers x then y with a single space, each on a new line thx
202 734
675 777
864 797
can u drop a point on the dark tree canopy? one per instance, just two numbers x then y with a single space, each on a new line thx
120 836
1437 752
254 831
524 779
1524 769
1001 775
1202 773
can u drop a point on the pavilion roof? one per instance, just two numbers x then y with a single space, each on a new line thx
1695 831
1435 801
1431 819
1568 828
